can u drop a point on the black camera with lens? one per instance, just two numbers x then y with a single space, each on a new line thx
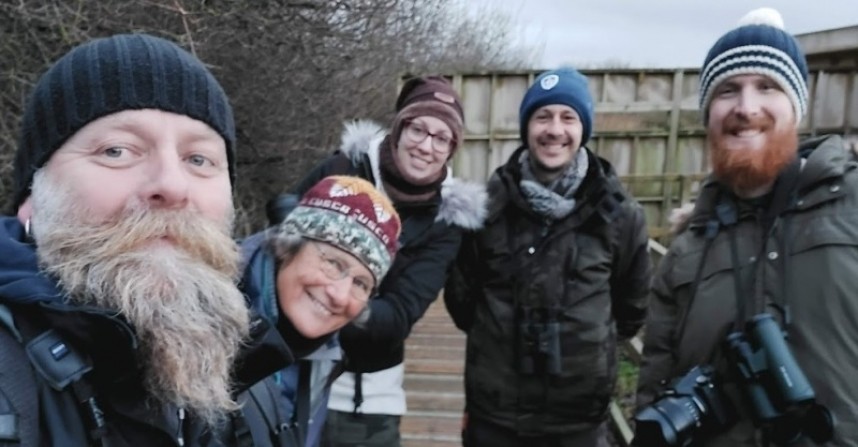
775 389
690 406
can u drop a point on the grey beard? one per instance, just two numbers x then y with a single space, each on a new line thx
182 300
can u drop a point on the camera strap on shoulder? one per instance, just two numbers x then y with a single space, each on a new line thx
358 397
264 395
62 367
783 198
19 403
302 408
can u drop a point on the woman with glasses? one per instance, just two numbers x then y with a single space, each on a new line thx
408 163
311 275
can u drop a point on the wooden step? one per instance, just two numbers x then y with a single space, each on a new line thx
424 352
430 441
422 338
425 401
430 327
434 382
440 383
456 366
432 425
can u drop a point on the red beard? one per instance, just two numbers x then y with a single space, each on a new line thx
744 169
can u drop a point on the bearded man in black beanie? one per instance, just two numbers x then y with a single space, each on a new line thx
121 320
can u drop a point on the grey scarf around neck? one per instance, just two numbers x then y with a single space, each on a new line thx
555 200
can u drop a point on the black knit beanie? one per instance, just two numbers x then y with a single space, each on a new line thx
109 75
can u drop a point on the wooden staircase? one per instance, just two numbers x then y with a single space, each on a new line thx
434 382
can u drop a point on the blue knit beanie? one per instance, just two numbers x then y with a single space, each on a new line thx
562 86
109 75
758 46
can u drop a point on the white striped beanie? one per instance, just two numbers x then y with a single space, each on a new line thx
758 46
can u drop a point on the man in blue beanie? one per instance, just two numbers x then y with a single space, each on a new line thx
556 276
757 290
120 320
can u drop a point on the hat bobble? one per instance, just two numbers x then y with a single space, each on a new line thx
763 16
350 214
759 45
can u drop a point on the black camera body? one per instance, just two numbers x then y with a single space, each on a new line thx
774 387
691 405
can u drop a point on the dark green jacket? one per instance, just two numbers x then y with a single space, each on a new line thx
588 273
809 262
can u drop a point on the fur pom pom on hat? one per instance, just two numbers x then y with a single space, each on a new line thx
759 45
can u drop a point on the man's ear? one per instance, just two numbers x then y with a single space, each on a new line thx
25 211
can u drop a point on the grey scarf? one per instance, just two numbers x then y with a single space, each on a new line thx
555 200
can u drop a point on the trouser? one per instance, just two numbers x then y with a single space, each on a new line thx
360 430
479 433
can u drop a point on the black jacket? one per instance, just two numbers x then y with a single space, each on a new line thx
108 344
543 302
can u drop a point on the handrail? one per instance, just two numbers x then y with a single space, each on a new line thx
633 348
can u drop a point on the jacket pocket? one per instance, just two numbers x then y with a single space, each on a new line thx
586 271
821 230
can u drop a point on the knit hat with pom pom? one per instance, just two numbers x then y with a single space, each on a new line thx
758 46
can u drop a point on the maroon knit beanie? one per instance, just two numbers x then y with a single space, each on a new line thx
429 96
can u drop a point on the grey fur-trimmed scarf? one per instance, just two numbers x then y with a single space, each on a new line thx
555 200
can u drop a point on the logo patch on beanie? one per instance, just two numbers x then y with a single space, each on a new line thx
340 190
381 214
549 82
444 97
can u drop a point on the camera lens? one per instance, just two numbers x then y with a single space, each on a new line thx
667 422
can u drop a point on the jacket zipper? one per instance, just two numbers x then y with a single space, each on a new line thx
180 437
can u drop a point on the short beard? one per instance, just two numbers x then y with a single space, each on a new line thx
182 300
749 170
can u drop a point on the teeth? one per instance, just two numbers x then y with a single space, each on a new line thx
320 307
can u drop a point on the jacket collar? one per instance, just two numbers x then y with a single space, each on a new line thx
600 186
21 280
825 162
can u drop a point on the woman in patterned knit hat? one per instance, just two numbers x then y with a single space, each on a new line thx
310 276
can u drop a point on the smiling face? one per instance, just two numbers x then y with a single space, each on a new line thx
423 148
553 136
752 132
317 301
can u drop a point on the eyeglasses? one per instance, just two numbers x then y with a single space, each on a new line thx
336 270
416 133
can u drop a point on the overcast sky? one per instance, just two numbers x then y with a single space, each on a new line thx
649 33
